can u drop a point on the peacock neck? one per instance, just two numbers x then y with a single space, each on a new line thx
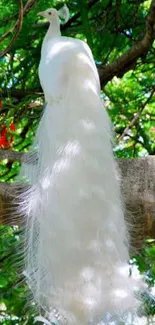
53 31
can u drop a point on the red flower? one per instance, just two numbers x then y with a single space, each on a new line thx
3 131
1 103
11 139
12 127
6 138
4 143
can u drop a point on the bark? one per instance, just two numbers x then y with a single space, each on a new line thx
138 191
23 157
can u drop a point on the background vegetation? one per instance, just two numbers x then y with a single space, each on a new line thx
121 35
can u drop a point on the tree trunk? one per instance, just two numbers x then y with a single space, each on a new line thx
138 191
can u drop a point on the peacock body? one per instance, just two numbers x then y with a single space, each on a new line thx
76 237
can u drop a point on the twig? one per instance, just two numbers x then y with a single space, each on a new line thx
136 117
18 25
20 93
5 20
5 35
29 5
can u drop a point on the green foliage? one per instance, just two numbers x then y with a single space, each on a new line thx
126 96
145 261
13 290
110 28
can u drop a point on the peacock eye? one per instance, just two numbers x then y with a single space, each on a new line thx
49 13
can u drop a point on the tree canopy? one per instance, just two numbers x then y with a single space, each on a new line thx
121 35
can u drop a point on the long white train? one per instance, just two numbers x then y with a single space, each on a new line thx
76 238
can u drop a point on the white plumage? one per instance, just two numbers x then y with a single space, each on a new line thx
77 247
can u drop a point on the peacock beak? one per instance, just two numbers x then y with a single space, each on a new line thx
42 13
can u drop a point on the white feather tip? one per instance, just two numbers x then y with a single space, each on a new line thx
64 13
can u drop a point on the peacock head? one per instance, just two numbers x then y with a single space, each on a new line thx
53 15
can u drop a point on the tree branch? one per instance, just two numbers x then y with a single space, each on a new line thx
17 25
20 93
138 191
136 117
23 157
129 59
